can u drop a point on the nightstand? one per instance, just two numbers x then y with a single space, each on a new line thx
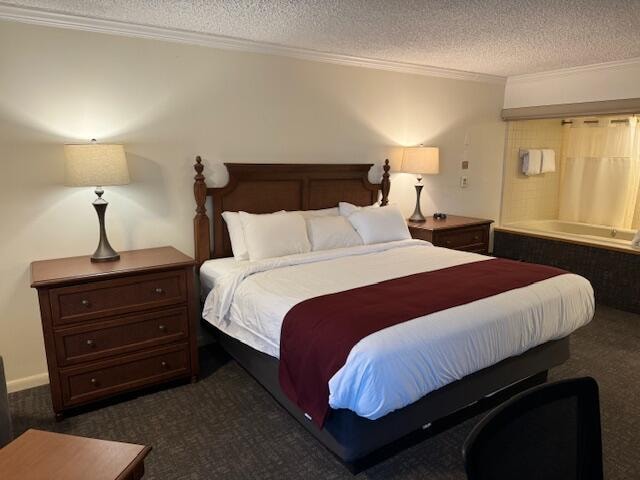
458 233
119 326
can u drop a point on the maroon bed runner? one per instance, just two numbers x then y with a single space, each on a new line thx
318 333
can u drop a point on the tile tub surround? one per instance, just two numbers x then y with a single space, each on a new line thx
612 273
534 197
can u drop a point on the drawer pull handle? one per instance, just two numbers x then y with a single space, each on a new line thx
94 382
476 238
162 328
159 291
448 242
164 364
85 302
91 343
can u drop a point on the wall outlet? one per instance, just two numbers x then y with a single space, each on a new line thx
464 181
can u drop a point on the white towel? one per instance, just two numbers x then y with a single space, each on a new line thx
548 161
531 162
635 243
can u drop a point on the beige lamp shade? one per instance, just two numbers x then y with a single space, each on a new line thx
95 165
421 160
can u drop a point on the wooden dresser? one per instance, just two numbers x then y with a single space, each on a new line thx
458 233
117 326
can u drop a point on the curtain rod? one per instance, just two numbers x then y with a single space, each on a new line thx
570 122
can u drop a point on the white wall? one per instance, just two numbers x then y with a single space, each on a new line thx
611 81
168 102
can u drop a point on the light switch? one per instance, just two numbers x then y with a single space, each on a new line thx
464 181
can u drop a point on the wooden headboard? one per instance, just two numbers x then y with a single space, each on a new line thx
267 188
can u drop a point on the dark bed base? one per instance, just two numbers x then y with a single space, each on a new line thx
360 443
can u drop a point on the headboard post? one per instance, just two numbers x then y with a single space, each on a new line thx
201 226
385 185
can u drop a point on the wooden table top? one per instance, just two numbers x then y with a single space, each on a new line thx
452 221
39 455
61 270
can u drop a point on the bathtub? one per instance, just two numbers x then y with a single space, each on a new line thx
601 254
581 233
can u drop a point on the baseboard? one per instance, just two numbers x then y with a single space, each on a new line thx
27 382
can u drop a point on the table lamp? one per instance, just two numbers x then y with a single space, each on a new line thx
420 161
97 165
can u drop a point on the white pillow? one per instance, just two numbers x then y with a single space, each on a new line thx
236 235
331 231
347 208
379 225
274 234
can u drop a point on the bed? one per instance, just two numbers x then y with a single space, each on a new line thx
479 352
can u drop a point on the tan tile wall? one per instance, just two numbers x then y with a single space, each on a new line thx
535 197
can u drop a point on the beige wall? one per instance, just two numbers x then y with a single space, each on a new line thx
168 102
534 197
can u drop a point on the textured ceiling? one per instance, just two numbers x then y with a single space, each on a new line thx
486 36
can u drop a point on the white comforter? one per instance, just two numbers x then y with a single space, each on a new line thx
396 366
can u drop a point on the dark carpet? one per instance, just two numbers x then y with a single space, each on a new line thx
227 426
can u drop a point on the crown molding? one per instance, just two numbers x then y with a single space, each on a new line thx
113 27
565 72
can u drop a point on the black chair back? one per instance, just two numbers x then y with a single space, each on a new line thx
547 432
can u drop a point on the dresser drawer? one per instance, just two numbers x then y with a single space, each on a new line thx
471 238
101 379
83 343
113 297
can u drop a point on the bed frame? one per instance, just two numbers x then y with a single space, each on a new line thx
358 442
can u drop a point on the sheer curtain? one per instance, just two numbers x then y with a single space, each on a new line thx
600 175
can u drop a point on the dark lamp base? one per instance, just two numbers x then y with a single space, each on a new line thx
104 252
110 258
417 215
